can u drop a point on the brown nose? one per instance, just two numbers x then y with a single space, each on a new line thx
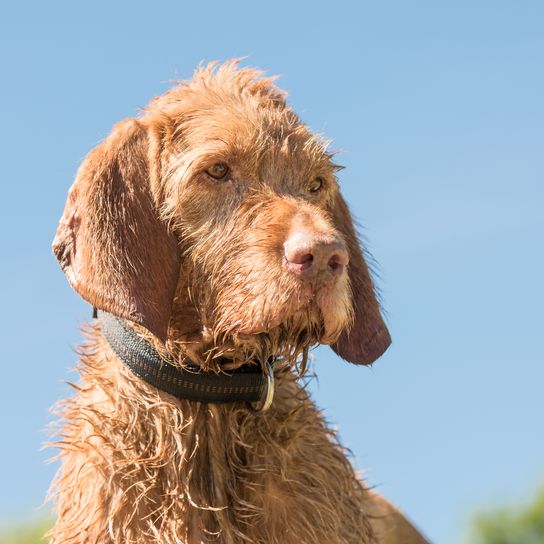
309 256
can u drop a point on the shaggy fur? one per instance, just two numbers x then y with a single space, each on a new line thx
199 265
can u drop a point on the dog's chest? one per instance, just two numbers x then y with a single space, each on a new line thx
170 470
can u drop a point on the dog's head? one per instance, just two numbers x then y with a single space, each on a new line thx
216 222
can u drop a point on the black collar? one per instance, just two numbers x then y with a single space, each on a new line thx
248 383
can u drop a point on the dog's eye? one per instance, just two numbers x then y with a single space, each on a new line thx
316 185
218 170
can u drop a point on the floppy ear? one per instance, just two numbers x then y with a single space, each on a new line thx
368 338
111 244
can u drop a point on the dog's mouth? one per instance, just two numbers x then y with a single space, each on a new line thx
254 322
317 313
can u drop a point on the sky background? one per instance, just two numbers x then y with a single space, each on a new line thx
437 109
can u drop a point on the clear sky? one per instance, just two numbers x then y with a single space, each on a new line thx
438 111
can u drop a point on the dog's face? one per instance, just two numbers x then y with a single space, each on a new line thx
216 222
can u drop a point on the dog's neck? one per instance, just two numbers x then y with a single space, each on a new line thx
248 383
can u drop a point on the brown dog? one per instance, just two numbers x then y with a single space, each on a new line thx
214 224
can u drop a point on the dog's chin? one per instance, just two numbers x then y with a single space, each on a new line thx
287 335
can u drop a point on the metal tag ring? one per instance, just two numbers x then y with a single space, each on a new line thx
264 404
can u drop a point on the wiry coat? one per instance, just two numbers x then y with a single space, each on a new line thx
198 265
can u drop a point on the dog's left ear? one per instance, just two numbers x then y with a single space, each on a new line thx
111 243
368 338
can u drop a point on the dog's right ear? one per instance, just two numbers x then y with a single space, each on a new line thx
111 243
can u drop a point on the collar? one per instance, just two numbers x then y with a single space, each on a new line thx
249 384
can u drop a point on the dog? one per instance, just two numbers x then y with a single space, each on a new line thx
211 235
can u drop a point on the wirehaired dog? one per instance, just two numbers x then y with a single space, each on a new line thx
211 233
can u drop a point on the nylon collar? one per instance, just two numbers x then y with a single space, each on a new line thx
249 384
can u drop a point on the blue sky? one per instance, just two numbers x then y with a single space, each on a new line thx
437 110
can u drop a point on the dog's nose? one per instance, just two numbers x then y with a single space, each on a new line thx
309 256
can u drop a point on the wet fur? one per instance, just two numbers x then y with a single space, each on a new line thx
141 466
